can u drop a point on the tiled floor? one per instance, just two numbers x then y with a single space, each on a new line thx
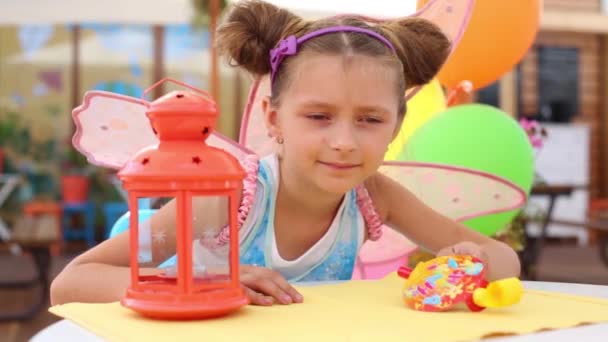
564 263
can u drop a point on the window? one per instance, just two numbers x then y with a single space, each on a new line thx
558 83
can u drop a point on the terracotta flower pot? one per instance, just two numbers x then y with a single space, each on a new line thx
75 188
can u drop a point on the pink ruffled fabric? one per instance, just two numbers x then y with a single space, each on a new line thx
250 164
374 223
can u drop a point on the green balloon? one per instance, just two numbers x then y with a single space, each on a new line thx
478 137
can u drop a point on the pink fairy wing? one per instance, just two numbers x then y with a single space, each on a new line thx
455 192
221 141
253 134
376 259
452 16
111 128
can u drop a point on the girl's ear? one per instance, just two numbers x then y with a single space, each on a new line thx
271 118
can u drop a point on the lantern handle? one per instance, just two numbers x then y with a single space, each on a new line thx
168 79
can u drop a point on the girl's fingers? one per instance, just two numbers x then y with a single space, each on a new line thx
270 283
286 287
270 288
257 298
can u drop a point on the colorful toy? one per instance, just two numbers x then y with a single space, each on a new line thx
442 283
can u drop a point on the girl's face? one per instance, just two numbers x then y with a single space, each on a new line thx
336 117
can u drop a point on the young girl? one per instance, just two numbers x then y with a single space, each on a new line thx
337 101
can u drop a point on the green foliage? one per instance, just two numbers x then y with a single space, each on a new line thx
41 163
201 10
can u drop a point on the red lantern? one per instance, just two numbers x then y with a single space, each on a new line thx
182 166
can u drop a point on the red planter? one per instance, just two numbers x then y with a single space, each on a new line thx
75 189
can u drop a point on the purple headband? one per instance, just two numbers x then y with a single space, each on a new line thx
289 46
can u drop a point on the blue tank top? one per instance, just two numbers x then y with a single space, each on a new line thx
256 246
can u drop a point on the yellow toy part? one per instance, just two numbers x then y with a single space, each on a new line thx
499 293
429 101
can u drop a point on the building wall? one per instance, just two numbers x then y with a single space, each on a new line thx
579 5
591 78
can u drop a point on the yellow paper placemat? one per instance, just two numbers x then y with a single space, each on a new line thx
351 311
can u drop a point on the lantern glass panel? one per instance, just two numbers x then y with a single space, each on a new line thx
210 242
156 239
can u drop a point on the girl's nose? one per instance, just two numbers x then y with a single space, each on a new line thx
343 138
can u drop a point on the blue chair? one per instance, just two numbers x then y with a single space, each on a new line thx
87 231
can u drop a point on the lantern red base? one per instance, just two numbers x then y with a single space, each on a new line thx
174 306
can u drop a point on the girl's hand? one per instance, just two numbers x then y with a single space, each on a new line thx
265 286
465 248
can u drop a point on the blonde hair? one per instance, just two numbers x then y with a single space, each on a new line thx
253 27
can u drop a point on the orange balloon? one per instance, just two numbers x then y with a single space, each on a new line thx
497 37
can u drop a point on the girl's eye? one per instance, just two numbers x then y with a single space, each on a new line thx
318 116
371 119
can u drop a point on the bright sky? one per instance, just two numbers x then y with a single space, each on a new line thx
379 8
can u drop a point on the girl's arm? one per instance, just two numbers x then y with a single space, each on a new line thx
102 274
99 275
403 211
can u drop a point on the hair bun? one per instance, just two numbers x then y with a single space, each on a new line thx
422 48
251 29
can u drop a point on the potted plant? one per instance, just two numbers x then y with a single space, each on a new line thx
75 176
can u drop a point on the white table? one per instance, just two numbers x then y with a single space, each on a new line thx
68 331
